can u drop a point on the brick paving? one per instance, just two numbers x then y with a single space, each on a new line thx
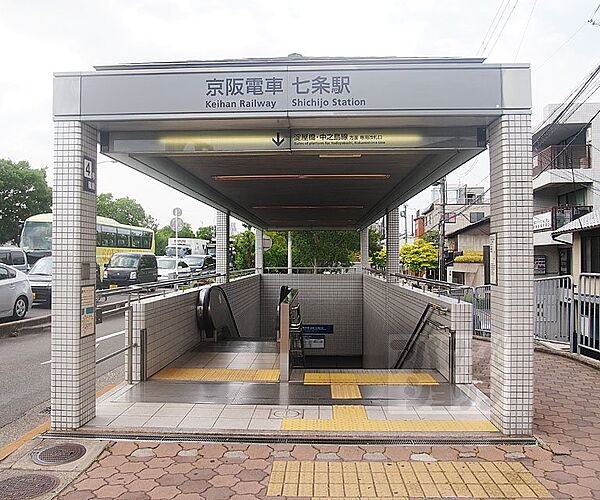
567 418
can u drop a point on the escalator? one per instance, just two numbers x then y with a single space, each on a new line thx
214 315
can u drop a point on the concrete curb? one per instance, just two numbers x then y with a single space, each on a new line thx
592 363
18 328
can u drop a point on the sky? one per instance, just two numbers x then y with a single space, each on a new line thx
41 37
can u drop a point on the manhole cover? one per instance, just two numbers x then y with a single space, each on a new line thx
58 454
27 486
275 414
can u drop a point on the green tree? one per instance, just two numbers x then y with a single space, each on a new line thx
276 256
206 232
23 192
379 259
324 248
432 236
163 234
420 256
243 245
124 210
375 245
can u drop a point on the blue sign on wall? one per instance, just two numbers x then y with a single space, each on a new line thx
317 329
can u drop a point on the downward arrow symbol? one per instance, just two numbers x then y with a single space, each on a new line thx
279 140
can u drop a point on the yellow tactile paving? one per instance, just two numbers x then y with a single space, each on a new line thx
354 418
345 480
369 378
345 391
217 375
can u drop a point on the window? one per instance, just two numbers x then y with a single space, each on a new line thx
18 258
3 273
590 251
5 257
109 236
450 217
146 240
476 216
136 239
99 235
123 236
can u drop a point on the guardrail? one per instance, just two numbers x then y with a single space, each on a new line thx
442 288
553 308
586 338
482 313
312 270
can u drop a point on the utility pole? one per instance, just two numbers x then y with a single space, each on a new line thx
442 230
405 225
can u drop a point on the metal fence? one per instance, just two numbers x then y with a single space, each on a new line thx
482 310
553 308
587 324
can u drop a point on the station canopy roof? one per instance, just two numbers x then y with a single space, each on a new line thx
295 142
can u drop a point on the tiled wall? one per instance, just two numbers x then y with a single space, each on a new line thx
392 232
171 330
324 299
73 372
244 297
222 237
390 314
511 381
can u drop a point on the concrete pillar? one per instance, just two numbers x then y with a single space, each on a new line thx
364 248
73 337
258 251
289 252
392 242
512 292
222 246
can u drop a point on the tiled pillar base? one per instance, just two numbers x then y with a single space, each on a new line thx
364 248
222 246
258 251
512 297
392 242
73 375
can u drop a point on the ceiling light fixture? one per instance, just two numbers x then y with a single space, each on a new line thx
308 207
300 177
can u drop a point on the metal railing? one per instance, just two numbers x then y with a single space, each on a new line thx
442 288
560 157
553 308
553 218
313 270
586 339
482 310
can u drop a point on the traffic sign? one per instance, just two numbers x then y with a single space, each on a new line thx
267 242
176 224
177 212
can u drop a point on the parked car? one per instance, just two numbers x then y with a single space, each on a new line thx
15 293
14 257
40 278
201 265
130 268
166 269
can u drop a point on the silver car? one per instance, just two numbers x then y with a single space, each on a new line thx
15 293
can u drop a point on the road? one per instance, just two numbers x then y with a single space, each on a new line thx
25 371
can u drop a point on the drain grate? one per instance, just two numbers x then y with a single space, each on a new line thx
58 454
46 411
27 486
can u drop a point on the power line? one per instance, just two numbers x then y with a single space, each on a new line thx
481 48
566 42
525 30
503 27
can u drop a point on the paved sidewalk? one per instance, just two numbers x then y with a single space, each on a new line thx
568 466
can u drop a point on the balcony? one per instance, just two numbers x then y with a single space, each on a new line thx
550 219
575 156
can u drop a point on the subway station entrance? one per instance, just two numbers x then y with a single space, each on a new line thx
290 144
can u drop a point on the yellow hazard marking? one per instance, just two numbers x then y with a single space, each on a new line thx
369 378
398 479
345 391
354 418
217 375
